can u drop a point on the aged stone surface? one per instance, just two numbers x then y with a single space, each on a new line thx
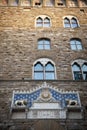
19 51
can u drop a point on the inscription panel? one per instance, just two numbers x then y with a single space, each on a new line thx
47 114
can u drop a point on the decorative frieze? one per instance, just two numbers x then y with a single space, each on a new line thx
47 3
44 102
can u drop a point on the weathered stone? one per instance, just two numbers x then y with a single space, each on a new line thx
19 51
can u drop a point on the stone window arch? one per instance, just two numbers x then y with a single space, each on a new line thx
39 22
70 22
74 23
76 44
44 69
46 22
44 44
79 69
43 21
66 22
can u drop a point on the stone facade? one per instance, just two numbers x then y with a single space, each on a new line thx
19 50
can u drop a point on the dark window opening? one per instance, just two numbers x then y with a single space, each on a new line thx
80 72
78 76
38 4
60 4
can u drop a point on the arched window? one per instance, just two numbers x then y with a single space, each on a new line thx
76 44
46 22
39 22
79 69
49 71
70 22
44 69
44 43
84 70
38 71
66 23
74 23
43 21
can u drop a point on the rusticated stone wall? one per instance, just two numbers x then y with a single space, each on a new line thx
21 17
19 36
18 52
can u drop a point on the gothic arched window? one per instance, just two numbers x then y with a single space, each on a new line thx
46 22
38 71
39 22
49 71
70 22
76 71
84 70
43 21
79 70
74 23
44 69
66 23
